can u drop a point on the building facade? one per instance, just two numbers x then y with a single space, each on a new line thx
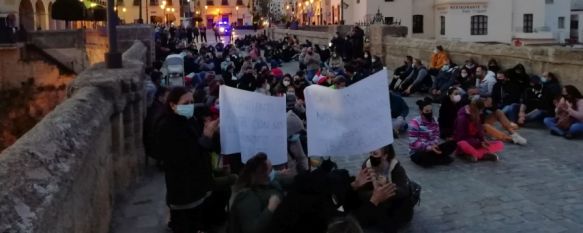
504 21
188 12
29 14
576 29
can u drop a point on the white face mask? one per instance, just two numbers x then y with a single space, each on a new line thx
185 110
365 56
464 75
456 98
286 83
228 59
374 60
435 51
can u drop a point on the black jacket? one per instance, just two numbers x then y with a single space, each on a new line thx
447 116
186 158
506 93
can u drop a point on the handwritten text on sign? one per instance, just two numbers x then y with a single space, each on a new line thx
252 123
349 121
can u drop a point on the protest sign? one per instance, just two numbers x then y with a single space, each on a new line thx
350 121
251 123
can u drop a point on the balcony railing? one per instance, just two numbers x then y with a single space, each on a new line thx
210 2
239 2
225 2
534 30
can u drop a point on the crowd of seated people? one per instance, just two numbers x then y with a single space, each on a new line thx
206 189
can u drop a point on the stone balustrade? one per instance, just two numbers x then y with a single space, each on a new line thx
64 175
389 43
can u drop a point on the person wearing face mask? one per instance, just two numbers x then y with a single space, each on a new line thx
448 112
312 61
185 143
401 73
335 63
376 64
438 60
471 66
469 134
383 172
532 105
257 197
551 91
465 79
506 95
424 142
226 63
416 79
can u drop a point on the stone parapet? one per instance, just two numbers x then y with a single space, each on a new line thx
63 175
567 63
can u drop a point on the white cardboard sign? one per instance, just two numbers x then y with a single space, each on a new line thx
251 123
349 121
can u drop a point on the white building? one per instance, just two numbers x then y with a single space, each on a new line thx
505 21
576 33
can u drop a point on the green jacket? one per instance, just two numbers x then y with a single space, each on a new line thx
249 213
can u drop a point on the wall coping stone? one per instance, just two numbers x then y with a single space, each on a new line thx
38 171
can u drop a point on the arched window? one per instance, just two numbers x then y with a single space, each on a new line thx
479 25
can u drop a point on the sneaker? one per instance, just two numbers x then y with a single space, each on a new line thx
490 157
568 136
517 139
555 133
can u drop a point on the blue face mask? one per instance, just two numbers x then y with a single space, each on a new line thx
294 138
185 110
272 175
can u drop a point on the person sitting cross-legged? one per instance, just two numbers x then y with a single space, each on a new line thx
424 142
469 134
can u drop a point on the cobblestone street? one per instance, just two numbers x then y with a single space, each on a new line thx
533 188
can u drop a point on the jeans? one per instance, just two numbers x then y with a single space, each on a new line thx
400 124
511 111
535 115
310 75
575 129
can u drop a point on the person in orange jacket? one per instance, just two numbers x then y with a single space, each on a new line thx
438 59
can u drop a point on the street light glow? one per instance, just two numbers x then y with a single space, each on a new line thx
206 7
172 9
237 8
123 9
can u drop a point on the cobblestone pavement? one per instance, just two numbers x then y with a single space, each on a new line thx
533 188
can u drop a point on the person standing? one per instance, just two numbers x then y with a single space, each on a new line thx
312 61
217 33
195 33
203 34
184 144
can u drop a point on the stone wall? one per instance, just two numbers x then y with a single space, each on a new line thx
388 42
565 62
64 174
56 39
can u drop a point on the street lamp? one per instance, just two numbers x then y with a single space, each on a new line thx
237 10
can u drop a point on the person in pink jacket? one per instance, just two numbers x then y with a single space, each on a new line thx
568 121
469 134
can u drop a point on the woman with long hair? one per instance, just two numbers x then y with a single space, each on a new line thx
568 121
469 134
